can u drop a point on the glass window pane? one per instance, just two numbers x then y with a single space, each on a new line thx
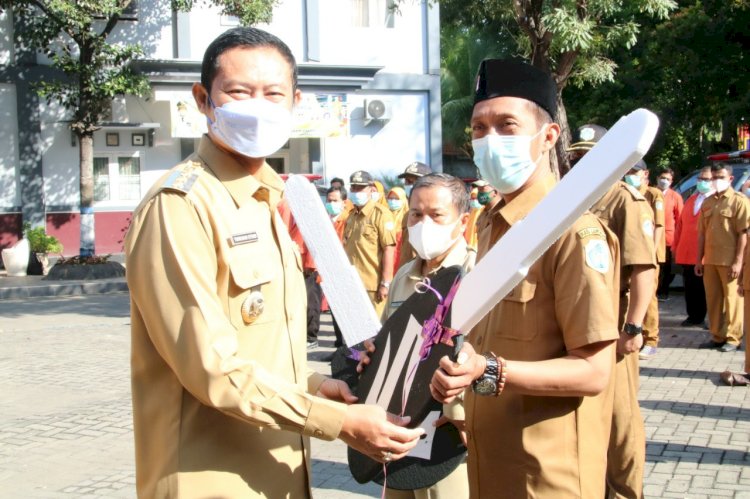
130 178
101 179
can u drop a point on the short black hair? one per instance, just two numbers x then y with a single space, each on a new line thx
722 166
666 170
336 179
246 38
334 189
457 188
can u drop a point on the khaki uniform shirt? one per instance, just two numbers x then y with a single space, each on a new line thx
220 397
724 216
626 213
406 251
655 199
366 234
536 446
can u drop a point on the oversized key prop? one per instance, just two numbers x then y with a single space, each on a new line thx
400 386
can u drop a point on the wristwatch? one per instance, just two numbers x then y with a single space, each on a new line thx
631 329
486 384
385 284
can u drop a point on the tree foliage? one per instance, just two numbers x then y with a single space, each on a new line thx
692 70
249 12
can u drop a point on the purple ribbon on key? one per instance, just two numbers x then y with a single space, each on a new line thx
433 330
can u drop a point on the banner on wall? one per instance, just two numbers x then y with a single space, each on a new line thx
321 115
317 115
743 136
187 121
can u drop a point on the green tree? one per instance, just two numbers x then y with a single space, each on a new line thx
572 39
462 51
75 36
692 70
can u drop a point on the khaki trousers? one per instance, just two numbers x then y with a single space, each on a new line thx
454 486
379 306
651 320
626 456
724 305
746 327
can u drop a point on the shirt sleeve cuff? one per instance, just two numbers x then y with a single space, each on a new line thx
325 419
314 380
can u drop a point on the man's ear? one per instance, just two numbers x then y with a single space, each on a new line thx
550 136
200 94
297 96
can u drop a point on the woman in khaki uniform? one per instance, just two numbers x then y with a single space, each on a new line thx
223 403
539 412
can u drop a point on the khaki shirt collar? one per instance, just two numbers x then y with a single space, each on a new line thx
726 193
366 209
456 256
264 185
519 207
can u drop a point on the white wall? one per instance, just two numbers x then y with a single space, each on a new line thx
390 148
60 159
6 37
9 195
153 30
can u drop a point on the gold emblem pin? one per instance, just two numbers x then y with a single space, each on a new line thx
252 307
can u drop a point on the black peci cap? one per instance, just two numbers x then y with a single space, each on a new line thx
360 177
516 78
417 169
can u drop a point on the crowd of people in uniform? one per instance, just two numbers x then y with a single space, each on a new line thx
543 395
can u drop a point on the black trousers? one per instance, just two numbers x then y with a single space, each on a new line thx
665 276
314 297
695 295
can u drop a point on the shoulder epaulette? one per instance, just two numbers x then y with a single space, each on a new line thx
183 177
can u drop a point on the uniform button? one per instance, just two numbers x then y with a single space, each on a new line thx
479 340
318 433
468 435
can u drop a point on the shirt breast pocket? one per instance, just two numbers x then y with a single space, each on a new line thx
370 233
518 319
251 268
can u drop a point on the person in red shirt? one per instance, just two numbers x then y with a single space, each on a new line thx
685 250
672 211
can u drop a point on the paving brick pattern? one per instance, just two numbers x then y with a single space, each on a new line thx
66 429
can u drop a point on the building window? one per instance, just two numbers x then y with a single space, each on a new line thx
117 178
372 13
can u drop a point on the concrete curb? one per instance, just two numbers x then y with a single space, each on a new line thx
63 288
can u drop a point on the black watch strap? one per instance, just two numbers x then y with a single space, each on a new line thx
632 330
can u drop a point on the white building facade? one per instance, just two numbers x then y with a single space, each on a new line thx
370 78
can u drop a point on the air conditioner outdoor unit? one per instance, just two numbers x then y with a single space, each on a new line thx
377 109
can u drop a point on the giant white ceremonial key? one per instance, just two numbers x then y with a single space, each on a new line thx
341 284
508 262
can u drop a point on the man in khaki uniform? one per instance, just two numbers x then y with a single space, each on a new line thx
548 347
742 378
411 173
444 200
223 403
626 212
655 200
722 238
369 240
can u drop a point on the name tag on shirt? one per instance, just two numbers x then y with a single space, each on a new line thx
244 238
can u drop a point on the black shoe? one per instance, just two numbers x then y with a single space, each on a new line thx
312 345
713 344
728 347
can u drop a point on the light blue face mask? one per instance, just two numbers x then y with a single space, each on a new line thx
360 198
475 205
505 160
633 180
334 208
395 204
408 188
704 186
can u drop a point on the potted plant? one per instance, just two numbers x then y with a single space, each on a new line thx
40 245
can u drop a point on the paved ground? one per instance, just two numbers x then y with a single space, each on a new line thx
65 418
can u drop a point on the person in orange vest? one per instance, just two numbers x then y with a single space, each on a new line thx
685 250
672 211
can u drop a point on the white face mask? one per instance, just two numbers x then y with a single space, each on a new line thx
664 183
721 184
431 239
255 128
505 160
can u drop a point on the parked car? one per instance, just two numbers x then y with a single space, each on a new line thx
740 171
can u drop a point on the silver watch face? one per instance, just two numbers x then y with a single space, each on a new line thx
485 386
